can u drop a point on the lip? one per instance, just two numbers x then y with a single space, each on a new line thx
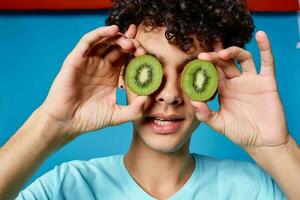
166 117
170 128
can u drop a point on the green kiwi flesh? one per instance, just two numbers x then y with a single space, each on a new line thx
143 75
199 80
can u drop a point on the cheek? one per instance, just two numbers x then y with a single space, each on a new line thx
188 107
192 122
191 119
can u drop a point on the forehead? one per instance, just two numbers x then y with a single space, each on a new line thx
155 43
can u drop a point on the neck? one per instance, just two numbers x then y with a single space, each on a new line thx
160 174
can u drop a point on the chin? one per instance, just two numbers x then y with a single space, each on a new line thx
168 149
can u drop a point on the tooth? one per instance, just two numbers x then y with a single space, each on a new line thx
162 123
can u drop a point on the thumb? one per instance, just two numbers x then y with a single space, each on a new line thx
206 115
131 112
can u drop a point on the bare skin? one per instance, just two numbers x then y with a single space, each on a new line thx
250 115
83 98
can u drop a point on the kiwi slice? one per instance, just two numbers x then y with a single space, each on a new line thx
199 80
143 75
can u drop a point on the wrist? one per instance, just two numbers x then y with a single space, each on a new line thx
53 132
262 155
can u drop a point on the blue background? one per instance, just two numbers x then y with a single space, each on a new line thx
33 46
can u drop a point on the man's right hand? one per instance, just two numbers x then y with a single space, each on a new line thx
82 98
83 95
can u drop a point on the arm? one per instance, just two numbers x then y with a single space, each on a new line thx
283 164
82 98
26 150
251 113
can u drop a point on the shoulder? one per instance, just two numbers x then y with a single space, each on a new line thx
90 171
97 164
230 171
240 177
229 167
86 175
84 169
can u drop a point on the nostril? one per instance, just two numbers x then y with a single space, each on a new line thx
160 99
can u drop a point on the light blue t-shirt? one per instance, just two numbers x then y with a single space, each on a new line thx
107 178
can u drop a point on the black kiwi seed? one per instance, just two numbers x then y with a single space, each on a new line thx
143 75
199 80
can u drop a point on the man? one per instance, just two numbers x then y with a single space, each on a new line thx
158 164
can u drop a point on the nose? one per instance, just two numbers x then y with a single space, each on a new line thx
170 92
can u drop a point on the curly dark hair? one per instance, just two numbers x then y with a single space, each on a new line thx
228 21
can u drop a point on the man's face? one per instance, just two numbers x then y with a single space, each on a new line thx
169 119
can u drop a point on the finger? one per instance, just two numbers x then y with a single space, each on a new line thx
267 60
91 38
135 47
123 42
228 67
121 46
131 112
221 74
131 31
211 118
210 56
105 45
242 56
139 49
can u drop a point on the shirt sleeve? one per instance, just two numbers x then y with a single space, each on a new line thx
268 188
46 187
240 179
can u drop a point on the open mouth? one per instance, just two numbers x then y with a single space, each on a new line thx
164 125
